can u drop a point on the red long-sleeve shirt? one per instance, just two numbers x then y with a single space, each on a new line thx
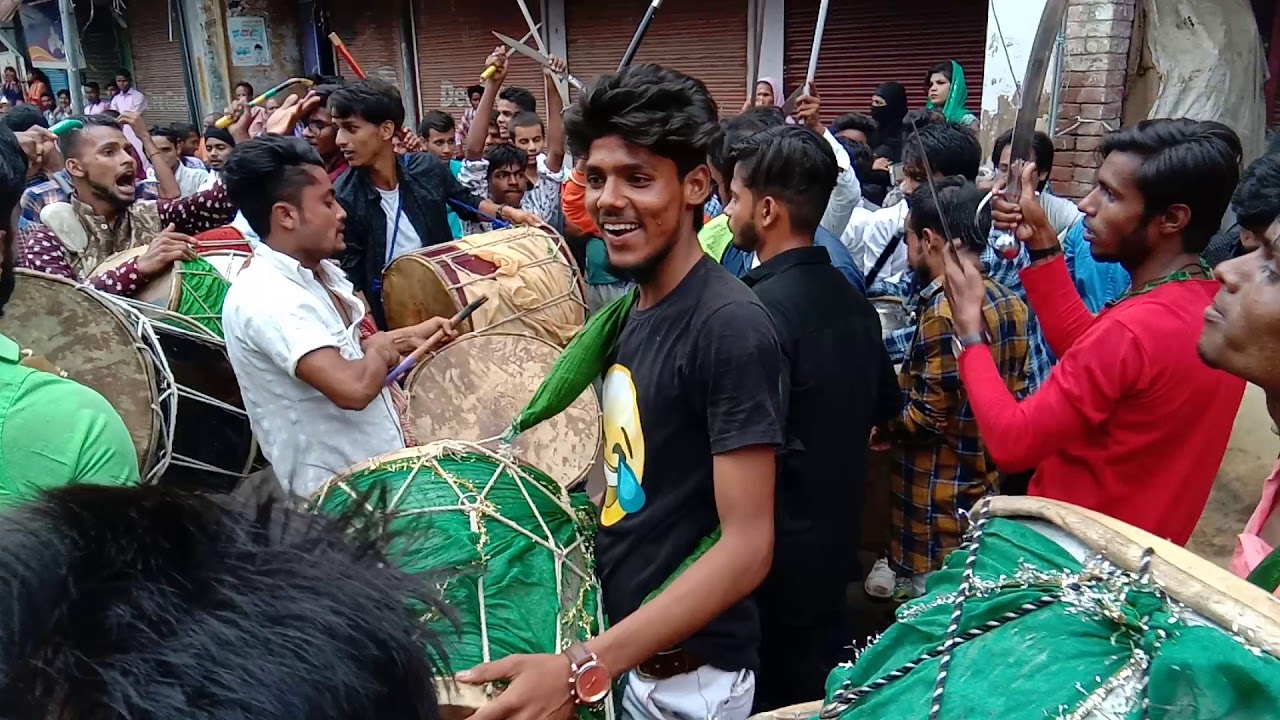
1131 422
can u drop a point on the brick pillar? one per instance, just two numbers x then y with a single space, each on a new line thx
1093 85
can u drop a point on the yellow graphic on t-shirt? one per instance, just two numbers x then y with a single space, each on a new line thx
623 447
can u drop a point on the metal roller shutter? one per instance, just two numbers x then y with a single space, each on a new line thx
371 30
867 43
99 43
703 38
158 62
454 38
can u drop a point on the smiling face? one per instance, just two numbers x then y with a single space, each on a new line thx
939 89
640 203
1241 332
104 166
1115 223
217 152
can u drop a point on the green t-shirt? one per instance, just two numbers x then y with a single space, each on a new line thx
55 432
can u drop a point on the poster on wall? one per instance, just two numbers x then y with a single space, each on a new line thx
42 28
249 44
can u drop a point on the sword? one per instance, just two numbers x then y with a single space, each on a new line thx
1024 126
493 69
542 47
529 52
641 29
789 106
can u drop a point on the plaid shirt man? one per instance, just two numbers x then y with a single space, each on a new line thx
1002 271
939 467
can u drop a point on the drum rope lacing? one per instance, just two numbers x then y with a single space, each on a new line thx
1131 679
480 507
165 406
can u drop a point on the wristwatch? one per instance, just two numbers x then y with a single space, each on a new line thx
1044 253
960 343
589 681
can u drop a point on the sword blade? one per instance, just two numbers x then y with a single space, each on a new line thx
1024 125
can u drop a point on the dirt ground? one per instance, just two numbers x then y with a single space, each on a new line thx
1250 458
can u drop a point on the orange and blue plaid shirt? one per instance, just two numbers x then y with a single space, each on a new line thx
940 468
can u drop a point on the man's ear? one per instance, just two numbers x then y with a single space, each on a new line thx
697 185
75 168
1174 220
387 130
770 211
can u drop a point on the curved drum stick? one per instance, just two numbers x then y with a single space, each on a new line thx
407 364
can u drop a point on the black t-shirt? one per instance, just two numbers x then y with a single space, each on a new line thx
696 375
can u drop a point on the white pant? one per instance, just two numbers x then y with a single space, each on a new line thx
704 694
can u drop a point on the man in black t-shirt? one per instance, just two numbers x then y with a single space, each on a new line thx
842 385
693 415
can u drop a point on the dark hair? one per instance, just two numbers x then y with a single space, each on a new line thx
949 148
1256 201
504 156
943 68
221 134
66 93
262 172
957 201
475 90
324 91
151 602
182 129
793 165
246 86
39 75
124 74
166 132
93 86
861 158
1041 147
69 142
24 117
664 111
372 100
520 97
921 118
13 181
113 114
525 119
437 120
1184 162
736 129
855 121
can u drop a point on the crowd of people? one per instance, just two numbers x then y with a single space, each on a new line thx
1102 365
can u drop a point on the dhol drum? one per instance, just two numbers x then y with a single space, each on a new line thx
226 237
212 443
1051 610
528 274
193 289
85 335
893 313
228 263
513 545
474 387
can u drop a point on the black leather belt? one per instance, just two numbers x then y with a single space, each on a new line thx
666 665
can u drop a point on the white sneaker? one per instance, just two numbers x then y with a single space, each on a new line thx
880 580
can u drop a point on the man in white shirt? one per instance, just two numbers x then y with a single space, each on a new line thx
316 396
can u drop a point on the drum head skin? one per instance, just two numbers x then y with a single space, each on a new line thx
474 387
229 263
162 290
82 335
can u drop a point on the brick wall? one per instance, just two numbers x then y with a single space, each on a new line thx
1094 66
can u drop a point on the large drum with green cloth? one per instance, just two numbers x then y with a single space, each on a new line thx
1054 611
512 545
194 290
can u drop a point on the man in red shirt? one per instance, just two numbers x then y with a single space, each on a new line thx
1130 423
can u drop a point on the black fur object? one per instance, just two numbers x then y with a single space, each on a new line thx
153 604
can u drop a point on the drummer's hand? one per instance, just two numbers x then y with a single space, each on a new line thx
383 346
411 338
539 688
516 216
165 249
966 291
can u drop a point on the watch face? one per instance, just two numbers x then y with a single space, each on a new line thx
592 684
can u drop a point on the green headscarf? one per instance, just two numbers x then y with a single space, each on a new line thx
954 110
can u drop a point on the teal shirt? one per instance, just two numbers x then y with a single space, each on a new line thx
55 432
455 222
598 263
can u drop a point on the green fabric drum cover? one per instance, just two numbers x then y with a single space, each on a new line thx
513 546
1067 614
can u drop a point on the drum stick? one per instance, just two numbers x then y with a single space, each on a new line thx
407 364
817 45
497 224
641 29
341 48
225 121
493 69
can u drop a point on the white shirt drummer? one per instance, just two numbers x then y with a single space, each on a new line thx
276 312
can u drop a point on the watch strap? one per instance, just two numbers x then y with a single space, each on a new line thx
578 655
968 341
1044 253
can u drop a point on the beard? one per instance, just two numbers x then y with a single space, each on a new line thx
641 274
108 193
747 238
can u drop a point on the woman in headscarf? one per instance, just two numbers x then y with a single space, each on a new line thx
888 108
948 93
768 93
